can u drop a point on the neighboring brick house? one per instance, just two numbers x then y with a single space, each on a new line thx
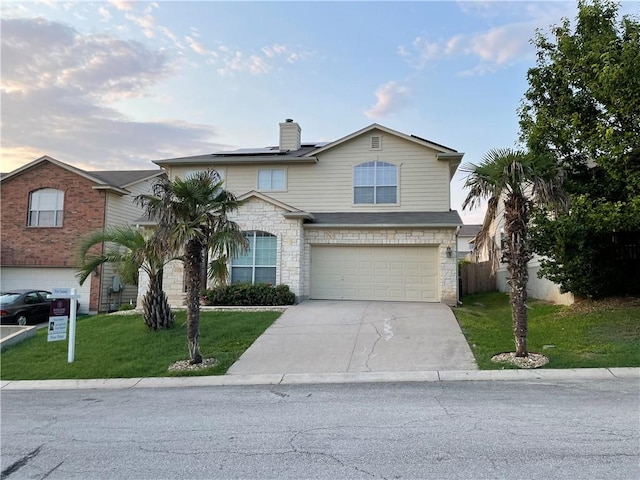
47 207
364 217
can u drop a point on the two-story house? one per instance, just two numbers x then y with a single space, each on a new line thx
365 217
47 208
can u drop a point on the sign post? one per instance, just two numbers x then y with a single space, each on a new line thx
71 294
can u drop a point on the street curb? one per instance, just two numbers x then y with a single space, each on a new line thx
324 378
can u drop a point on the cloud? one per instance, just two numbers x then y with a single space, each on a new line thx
126 5
196 46
58 91
145 21
495 48
392 97
235 61
104 13
40 55
274 50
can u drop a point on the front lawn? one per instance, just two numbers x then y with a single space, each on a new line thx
121 346
589 334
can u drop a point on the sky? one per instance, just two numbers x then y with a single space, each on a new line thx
117 84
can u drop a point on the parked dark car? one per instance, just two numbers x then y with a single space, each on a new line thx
24 306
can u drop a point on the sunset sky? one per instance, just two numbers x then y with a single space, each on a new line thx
114 85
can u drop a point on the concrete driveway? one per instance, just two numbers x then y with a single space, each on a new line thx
324 336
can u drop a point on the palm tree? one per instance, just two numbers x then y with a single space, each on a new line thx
131 250
191 217
513 182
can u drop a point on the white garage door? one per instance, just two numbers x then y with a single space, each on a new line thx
45 279
395 273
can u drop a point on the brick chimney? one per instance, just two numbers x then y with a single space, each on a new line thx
289 135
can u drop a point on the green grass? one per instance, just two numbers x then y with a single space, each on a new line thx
603 334
121 346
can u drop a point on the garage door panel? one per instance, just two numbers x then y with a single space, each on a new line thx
398 273
45 279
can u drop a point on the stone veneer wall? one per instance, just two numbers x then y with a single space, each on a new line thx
440 237
255 214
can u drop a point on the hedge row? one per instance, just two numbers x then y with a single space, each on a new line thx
247 294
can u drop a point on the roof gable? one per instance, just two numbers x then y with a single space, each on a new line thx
375 126
266 198
116 180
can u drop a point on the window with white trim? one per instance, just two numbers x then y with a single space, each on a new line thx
375 182
258 265
45 208
273 179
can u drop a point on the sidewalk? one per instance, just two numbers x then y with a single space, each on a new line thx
304 378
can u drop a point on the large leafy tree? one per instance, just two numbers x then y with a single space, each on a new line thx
130 250
512 182
582 108
192 220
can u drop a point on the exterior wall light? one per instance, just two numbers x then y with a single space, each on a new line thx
449 252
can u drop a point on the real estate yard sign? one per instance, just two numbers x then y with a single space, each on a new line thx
59 313
67 312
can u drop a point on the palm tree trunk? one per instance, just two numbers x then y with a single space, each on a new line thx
193 265
157 312
517 257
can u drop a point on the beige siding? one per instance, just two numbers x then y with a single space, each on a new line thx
121 210
423 181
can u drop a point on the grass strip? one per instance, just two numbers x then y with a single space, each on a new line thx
121 346
606 334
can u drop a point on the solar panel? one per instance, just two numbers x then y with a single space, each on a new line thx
250 151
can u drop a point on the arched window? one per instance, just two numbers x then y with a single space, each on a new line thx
258 265
375 182
45 207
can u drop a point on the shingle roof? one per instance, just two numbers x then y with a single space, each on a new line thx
450 218
117 180
122 178
469 230
269 154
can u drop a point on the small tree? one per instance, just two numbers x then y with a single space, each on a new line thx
512 182
582 108
191 216
130 250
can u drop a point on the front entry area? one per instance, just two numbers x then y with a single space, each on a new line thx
375 272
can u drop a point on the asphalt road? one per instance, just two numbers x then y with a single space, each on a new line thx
569 429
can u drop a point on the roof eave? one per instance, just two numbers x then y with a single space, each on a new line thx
112 189
295 215
238 160
382 225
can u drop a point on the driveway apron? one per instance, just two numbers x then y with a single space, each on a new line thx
325 336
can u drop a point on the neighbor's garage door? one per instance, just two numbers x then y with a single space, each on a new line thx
45 279
396 273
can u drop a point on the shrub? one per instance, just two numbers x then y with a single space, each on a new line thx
247 294
126 306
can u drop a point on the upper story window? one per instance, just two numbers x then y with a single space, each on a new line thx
258 265
46 207
375 182
272 179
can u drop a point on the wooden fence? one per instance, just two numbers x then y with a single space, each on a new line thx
476 278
